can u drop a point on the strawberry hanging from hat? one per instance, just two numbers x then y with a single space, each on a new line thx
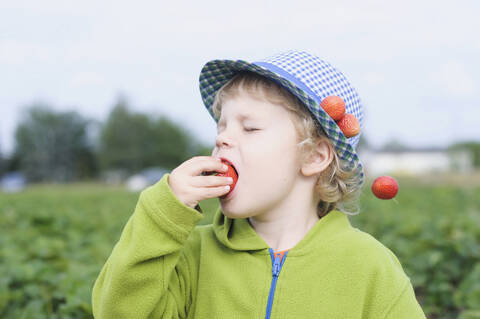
383 187
334 106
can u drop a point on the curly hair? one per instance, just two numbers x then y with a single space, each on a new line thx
338 186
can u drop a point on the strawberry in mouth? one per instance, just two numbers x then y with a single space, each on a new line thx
232 172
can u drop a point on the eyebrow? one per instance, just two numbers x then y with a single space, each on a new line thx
240 116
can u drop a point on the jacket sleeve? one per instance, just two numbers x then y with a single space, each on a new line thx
149 274
406 306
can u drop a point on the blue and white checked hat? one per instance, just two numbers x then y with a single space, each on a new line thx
307 77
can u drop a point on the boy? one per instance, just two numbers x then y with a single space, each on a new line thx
281 245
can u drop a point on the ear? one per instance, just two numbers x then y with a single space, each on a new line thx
319 160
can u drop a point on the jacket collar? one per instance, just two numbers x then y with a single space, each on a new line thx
238 234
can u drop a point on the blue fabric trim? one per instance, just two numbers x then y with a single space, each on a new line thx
274 281
289 77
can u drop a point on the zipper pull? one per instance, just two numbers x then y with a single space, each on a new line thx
276 266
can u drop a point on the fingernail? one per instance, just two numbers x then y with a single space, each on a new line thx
227 187
230 179
225 167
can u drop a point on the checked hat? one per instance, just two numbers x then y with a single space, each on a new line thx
306 76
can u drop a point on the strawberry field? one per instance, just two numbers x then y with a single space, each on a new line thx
55 239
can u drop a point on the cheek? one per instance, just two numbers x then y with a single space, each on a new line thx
272 159
282 146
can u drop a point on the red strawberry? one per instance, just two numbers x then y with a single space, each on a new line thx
334 106
385 187
349 125
230 173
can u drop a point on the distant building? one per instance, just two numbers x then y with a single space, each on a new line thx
114 176
416 161
145 178
12 182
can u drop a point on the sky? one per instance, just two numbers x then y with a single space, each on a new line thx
415 64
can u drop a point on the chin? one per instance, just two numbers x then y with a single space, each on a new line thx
233 214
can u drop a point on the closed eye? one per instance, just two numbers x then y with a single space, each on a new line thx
245 129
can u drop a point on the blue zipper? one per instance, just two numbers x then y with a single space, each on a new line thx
277 263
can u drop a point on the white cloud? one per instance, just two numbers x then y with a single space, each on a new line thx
19 52
374 78
453 78
87 78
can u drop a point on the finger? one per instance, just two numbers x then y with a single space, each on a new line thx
211 181
207 165
212 192
199 159
205 158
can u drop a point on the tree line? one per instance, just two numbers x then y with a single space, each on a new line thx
53 146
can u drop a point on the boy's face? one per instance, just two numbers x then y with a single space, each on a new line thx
259 138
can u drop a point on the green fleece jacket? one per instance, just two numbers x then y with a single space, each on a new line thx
166 266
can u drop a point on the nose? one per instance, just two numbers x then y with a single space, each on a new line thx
223 139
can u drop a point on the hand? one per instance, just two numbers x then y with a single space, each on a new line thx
190 186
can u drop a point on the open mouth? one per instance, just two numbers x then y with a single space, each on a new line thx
224 160
233 173
229 163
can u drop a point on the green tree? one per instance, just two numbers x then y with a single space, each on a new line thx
133 141
394 145
12 163
363 144
472 146
3 165
203 150
53 146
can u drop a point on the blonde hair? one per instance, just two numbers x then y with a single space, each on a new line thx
338 186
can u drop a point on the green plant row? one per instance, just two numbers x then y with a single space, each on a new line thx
55 239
